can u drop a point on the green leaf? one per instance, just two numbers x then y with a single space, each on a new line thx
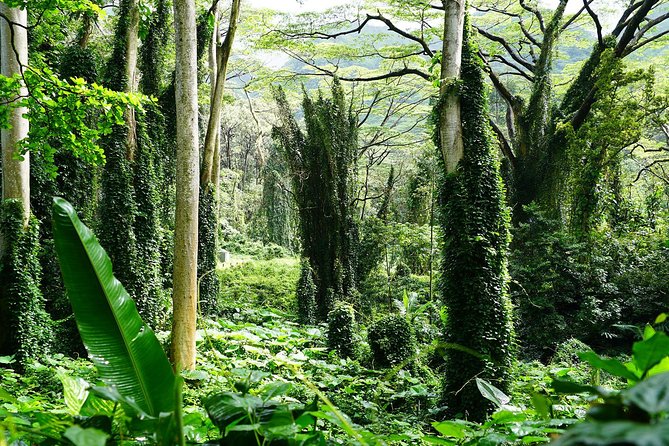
617 432
660 318
86 437
651 351
542 404
651 395
275 389
123 348
492 393
6 396
571 387
75 392
452 429
612 366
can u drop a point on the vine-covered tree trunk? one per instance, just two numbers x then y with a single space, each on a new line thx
25 329
474 221
208 219
184 297
321 164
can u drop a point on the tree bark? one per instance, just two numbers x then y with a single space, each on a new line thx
131 51
450 127
187 188
213 126
14 49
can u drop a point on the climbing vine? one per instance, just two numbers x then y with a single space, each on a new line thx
321 164
474 220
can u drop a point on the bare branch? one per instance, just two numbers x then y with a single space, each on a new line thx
507 46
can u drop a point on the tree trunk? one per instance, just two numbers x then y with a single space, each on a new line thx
186 223
15 173
213 126
131 51
450 127
474 222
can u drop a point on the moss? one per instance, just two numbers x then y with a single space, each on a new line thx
392 341
473 285
25 325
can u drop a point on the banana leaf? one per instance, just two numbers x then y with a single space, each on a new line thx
123 348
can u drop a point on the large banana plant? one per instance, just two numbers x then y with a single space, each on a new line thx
126 352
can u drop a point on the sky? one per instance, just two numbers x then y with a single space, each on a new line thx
296 6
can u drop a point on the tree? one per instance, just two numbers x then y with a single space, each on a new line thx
474 221
184 297
129 231
321 164
520 39
26 330
211 155
15 171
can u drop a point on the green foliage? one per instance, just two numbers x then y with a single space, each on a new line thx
635 415
118 208
259 283
148 290
246 419
474 221
128 356
392 341
422 190
508 425
342 330
321 163
276 203
26 327
78 62
152 54
306 294
624 103
389 244
207 251
59 112
589 290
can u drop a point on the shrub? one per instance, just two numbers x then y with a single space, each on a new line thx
341 330
306 294
391 340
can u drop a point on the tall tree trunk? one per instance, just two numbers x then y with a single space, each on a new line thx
25 328
450 127
186 224
213 126
131 52
15 173
208 220
474 222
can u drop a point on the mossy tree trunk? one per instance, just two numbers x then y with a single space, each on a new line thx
474 220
